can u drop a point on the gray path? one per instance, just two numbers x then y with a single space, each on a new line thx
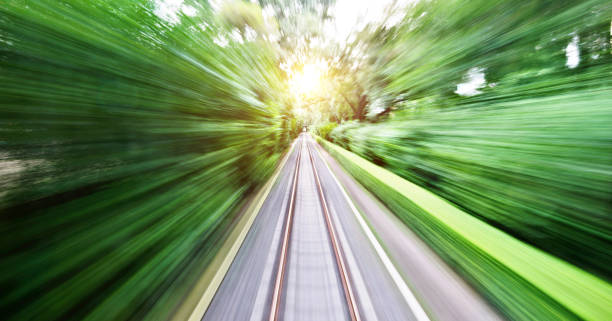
444 295
312 288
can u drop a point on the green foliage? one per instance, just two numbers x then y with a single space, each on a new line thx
523 282
325 129
129 136
519 46
531 154
127 142
539 169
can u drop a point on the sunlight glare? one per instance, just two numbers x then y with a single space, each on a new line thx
308 80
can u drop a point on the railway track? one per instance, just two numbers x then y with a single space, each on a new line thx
311 255
338 258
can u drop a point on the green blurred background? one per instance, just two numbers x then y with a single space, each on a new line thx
131 131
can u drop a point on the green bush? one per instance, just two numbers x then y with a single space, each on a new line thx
539 169
325 129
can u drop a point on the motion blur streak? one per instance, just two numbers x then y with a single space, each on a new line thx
126 142
527 149
136 135
532 153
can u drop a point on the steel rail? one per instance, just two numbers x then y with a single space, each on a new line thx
344 274
280 274
284 253
407 294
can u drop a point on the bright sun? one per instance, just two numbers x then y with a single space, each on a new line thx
308 80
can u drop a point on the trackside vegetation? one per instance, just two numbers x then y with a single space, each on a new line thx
523 282
128 138
503 109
